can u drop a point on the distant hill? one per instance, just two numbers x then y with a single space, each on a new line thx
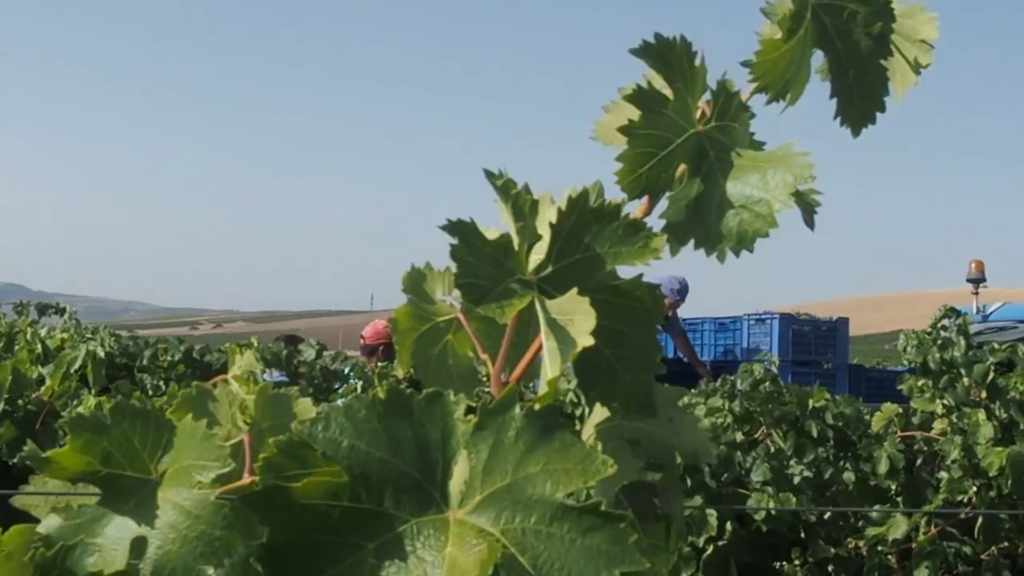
96 309
904 310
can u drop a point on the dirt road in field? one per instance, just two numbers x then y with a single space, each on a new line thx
337 332
887 312
868 315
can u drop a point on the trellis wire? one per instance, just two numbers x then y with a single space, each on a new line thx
716 507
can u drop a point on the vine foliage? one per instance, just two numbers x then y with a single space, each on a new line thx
521 430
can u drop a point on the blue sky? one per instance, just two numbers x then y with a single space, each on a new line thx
263 154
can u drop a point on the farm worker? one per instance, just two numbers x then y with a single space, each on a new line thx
676 289
291 341
375 344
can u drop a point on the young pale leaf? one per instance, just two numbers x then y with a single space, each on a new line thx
856 39
434 492
913 45
618 113
760 185
41 506
520 210
87 540
428 335
15 549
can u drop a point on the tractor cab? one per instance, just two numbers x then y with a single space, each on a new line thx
997 322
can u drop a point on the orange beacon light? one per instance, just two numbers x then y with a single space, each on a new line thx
976 273
976 277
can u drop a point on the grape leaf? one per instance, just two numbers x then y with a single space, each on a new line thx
87 539
229 411
41 506
171 475
116 448
725 190
574 244
429 338
620 368
619 112
197 534
855 37
229 533
15 547
760 185
647 448
669 132
432 491
488 280
913 45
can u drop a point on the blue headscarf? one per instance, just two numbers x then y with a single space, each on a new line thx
675 288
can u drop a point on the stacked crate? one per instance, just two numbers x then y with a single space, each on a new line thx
809 350
877 384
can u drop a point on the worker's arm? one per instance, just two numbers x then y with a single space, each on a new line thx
682 342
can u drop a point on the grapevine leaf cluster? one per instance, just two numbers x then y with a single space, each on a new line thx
688 139
521 429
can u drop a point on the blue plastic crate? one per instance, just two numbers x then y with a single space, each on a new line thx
793 339
877 385
835 378
714 338
679 372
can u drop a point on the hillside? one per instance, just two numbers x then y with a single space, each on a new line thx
94 308
888 312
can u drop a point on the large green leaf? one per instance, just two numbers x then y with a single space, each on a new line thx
647 448
435 492
619 369
197 534
724 190
856 38
15 547
118 449
157 480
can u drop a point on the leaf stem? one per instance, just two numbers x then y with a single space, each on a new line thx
247 471
42 415
497 382
237 484
527 359
476 341
918 434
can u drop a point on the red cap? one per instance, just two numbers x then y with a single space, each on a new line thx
376 332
